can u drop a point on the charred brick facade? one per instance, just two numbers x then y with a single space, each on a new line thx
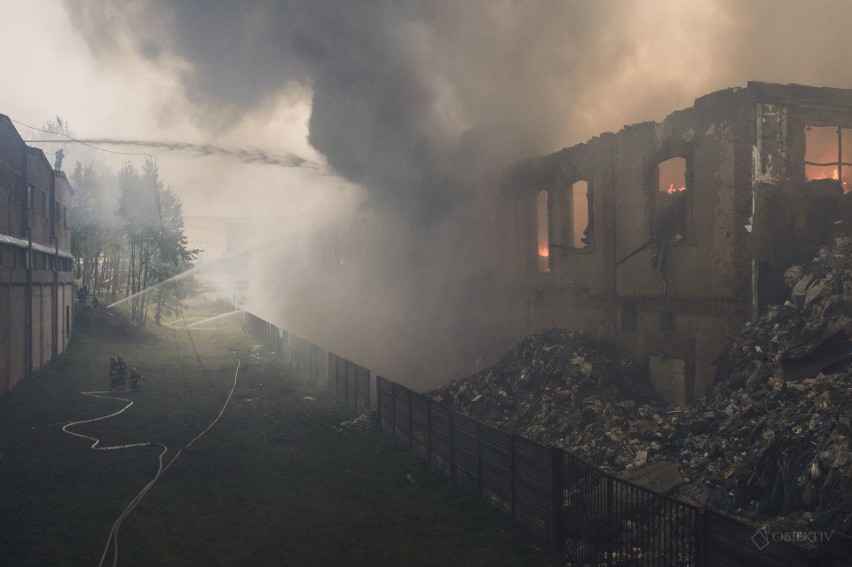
36 278
671 271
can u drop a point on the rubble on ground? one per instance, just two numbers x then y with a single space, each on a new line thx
772 443
364 422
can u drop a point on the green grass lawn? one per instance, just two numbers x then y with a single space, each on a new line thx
274 482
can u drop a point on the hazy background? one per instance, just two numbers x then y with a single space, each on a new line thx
402 107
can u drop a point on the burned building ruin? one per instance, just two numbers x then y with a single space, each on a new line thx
663 238
667 237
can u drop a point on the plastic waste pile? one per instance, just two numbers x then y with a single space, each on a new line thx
771 444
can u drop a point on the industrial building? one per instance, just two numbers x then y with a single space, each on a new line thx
36 265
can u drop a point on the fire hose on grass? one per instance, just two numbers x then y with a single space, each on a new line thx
112 541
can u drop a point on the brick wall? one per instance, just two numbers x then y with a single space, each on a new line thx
668 375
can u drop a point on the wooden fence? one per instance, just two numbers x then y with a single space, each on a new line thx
592 516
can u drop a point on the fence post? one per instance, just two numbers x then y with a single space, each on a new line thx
346 383
379 405
330 367
393 413
478 462
512 472
609 521
429 431
556 497
700 538
410 423
452 445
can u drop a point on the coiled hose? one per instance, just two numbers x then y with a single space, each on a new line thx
112 541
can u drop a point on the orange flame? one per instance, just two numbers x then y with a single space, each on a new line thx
672 189
844 183
543 251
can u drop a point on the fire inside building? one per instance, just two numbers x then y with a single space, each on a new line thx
672 235
36 278
666 238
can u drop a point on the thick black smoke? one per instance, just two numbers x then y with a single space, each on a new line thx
415 100
409 95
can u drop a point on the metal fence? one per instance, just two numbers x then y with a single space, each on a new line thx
307 358
345 380
513 473
607 521
349 382
592 516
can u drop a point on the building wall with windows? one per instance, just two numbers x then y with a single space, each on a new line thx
36 278
690 226
665 238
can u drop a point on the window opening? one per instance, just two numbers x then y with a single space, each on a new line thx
672 175
543 218
828 154
580 225
671 198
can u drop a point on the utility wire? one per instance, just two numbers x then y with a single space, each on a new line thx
73 139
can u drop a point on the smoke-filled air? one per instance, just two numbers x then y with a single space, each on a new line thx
398 117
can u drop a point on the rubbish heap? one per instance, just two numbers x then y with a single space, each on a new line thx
553 383
772 444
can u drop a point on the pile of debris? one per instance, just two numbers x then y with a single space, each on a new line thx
771 444
553 383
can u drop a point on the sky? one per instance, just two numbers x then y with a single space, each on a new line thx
58 73
397 106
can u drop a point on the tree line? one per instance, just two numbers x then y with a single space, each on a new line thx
127 235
